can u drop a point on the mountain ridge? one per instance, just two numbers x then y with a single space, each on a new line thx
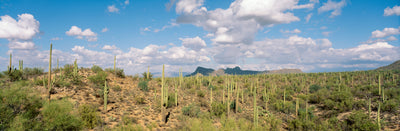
237 71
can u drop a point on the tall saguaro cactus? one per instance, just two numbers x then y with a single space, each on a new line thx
148 73
49 80
10 67
162 87
105 96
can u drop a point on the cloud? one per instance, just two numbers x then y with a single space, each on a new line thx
326 33
56 38
385 32
308 17
108 47
87 33
104 29
126 2
170 25
388 39
335 7
112 9
25 45
323 27
392 11
169 5
25 28
241 21
187 6
195 43
19 32
291 31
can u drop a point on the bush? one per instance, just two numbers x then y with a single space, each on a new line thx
144 74
58 115
171 100
98 79
96 69
360 121
116 88
139 100
191 110
200 93
218 108
118 72
314 88
19 105
390 105
89 116
15 75
68 69
33 71
143 86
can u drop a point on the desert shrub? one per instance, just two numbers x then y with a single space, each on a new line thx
68 69
58 115
61 83
39 81
171 100
116 88
89 116
126 120
98 79
33 71
191 110
218 108
360 121
314 88
200 93
118 72
96 69
390 105
144 74
319 96
143 85
140 100
19 105
198 124
15 75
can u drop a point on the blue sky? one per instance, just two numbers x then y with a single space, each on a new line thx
312 35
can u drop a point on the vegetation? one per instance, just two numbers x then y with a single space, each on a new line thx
360 100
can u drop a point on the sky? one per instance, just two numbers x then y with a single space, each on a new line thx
311 35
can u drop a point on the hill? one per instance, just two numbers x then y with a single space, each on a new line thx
394 66
238 71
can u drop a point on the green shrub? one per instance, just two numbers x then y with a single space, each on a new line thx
116 88
144 74
33 71
89 116
68 69
58 115
191 110
390 105
61 83
200 93
314 88
15 75
98 79
96 69
360 121
19 105
140 100
171 100
143 85
218 108
118 72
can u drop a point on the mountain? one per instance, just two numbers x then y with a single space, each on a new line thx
394 66
201 70
285 71
238 71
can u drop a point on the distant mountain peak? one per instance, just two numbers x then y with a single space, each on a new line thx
237 71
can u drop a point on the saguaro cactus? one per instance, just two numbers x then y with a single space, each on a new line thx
21 65
49 80
10 67
105 96
162 87
148 72
75 68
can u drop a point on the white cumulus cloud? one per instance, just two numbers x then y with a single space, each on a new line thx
87 33
195 43
335 7
291 31
385 32
112 9
392 11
